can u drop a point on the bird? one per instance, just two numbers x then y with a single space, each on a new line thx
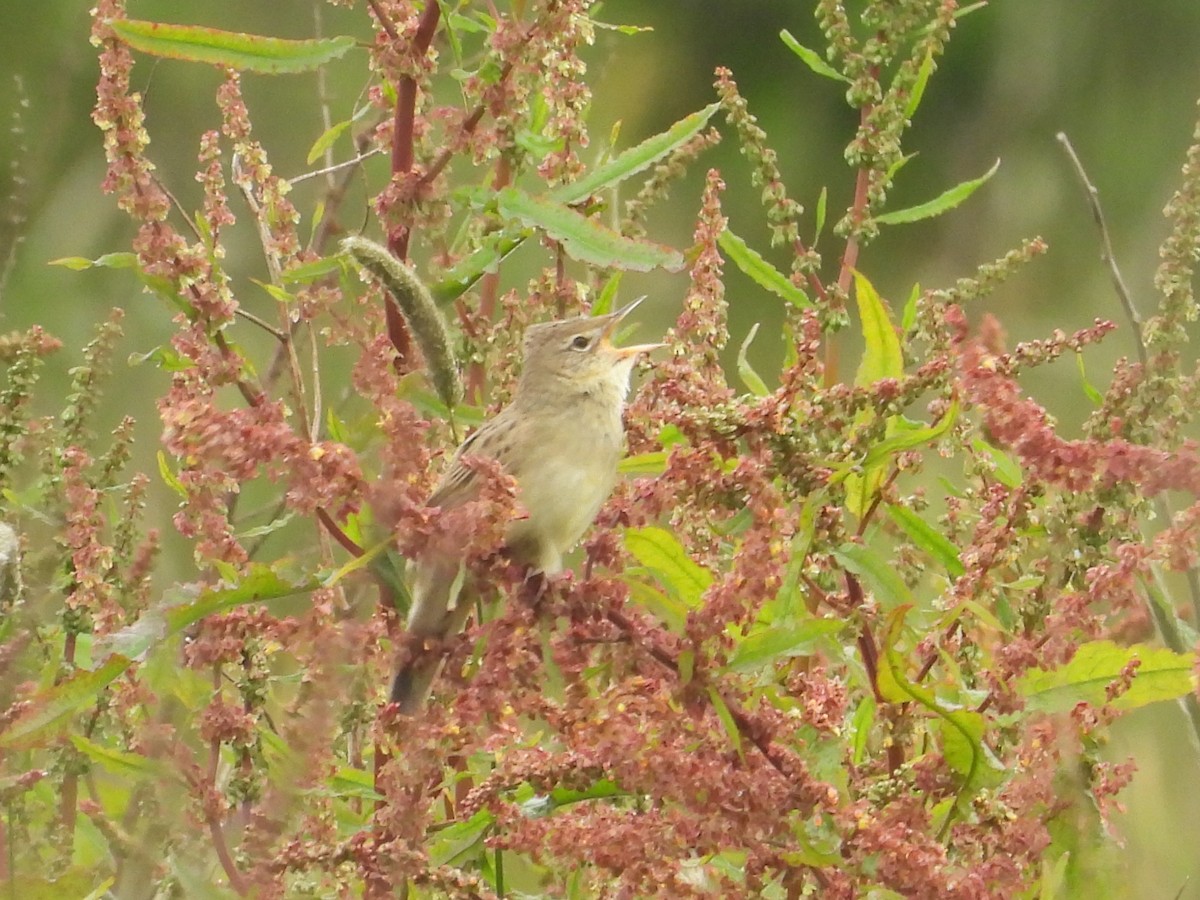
560 438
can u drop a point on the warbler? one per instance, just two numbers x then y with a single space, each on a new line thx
560 438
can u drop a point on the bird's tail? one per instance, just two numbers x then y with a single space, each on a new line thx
439 609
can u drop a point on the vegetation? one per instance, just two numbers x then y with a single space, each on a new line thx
832 636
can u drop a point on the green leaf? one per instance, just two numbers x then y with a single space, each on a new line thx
670 610
331 134
107 261
909 317
961 730
461 841
120 762
49 708
903 437
352 783
775 642
861 724
456 281
879 572
1092 394
652 463
927 538
749 377
760 271
1162 675
308 272
727 722
918 88
882 356
811 58
822 203
1007 472
246 52
938 205
189 604
659 550
635 159
584 238
169 478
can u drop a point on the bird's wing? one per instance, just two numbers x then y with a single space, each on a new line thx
460 483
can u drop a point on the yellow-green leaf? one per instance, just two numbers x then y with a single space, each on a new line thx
760 271
235 50
882 356
811 58
585 238
749 377
1161 675
51 707
945 201
659 550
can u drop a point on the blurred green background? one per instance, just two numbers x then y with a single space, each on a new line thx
1120 78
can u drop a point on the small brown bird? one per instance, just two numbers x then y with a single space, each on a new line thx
561 438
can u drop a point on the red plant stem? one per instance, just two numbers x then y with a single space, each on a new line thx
403 155
403 139
236 881
384 22
337 534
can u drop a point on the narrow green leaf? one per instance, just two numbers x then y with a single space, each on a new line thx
1007 472
659 550
49 708
352 783
749 377
918 88
861 724
1088 389
455 282
938 205
121 762
305 273
331 134
760 271
635 159
652 463
246 52
878 572
671 611
461 841
1161 675
584 238
107 261
169 478
909 317
727 722
189 604
326 140
822 204
811 58
905 438
927 538
765 647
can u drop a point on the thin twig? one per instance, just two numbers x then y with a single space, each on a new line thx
336 167
1107 255
1159 602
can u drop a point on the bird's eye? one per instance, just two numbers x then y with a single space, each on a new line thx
580 342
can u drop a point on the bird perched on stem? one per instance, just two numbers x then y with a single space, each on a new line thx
560 438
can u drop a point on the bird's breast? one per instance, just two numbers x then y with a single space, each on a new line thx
563 491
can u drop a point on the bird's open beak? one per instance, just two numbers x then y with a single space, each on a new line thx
615 320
